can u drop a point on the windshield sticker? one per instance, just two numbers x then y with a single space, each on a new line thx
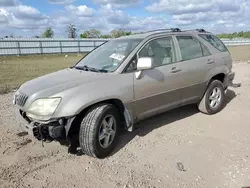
118 57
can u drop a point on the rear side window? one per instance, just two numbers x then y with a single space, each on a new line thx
205 51
213 40
189 47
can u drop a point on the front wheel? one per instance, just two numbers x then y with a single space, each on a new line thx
99 131
213 99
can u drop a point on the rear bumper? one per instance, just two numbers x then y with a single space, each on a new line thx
228 82
229 79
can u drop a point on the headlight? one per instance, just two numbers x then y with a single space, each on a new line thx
44 107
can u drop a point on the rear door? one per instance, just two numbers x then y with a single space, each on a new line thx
221 54
195 62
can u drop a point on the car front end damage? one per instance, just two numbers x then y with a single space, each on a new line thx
36 119
46 131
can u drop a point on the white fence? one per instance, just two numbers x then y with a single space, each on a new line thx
48 46
236 42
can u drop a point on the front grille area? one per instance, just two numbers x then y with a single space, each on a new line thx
20 99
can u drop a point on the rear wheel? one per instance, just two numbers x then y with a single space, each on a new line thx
213 99
99 131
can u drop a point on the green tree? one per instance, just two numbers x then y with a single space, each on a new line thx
119 32
241 34
105 36
246 34
84 35
92 33
48 33
235 35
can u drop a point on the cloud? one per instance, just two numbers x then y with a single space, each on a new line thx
147 23
81 10
21 20
240 13
180 6
214 15
118 3
27 12
7 3
3 16
193 6
114 16
61 2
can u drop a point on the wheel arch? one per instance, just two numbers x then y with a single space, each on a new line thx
74 126
216 76
219 76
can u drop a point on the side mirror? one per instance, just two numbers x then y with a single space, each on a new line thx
144 63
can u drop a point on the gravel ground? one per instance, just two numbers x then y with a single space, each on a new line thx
181 148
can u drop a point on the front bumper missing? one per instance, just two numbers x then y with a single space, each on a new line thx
43 131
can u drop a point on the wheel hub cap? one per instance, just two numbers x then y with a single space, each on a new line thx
107 131
215 98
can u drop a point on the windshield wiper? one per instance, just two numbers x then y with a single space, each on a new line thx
87 68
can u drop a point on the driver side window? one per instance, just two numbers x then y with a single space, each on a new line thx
160 50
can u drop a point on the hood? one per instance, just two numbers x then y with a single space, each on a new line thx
59 81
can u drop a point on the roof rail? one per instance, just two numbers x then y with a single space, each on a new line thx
198 30
201 30
170 30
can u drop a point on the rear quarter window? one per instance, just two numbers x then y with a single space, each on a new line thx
215 42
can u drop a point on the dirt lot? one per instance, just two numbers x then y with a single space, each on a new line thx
181 148
240 53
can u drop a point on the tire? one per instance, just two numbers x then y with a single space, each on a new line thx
205 105
92 127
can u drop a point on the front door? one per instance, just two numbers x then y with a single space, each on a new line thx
157 89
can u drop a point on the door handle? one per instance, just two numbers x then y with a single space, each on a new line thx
175 70
210 61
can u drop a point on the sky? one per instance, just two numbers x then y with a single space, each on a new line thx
31 17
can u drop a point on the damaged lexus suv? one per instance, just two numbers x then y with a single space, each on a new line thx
123 81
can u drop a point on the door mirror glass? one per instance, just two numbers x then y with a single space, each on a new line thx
144 63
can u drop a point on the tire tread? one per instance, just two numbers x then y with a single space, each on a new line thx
88 129
202 104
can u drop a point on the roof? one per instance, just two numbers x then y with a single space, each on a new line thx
161 31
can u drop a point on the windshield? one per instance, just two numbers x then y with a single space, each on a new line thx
109 56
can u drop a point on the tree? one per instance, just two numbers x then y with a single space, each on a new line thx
71 29
92 33
106 36
235 35
241 34
84 35
118 33
48 33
